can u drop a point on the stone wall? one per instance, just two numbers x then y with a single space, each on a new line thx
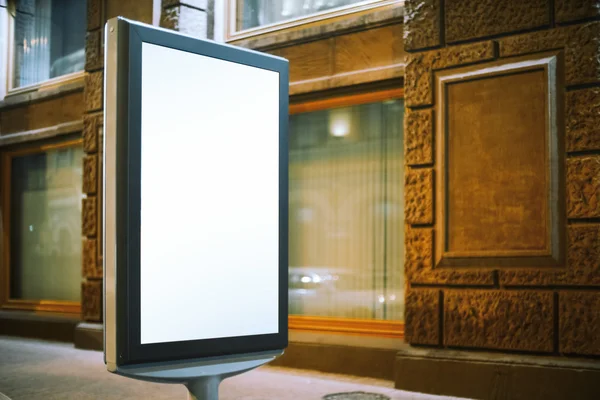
470 285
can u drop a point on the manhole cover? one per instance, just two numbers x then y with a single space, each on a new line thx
355 396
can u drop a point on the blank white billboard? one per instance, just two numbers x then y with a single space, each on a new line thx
209 198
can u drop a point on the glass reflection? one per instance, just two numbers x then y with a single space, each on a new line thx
45 225
347 212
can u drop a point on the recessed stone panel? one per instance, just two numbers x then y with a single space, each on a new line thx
90 174
499 152
88 217
93 91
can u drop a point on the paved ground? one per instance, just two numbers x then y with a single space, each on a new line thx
32 370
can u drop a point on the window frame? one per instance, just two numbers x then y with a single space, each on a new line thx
233 34
335 325
9 67
6 302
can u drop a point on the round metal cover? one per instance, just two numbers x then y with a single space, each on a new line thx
355 396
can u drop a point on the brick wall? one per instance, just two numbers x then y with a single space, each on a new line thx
497 302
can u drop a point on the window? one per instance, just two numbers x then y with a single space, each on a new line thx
248 17
41 206
346 217
48 40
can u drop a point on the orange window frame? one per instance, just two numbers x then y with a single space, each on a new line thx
332 325
6 302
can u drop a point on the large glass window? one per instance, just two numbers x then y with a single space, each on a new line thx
48 39
346 216
254 13
42 211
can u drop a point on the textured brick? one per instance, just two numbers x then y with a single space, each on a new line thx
468 19
94 14
583 187
421 24
91 269
418 136
91 300
507 320
579 323
583 120
422 317
582 54
583 262
418 263
91 124
581 44
574 10
93 91
88 217
94 51
185 20
419 196
419 79
90 174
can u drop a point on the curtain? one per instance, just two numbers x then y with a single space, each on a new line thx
346 212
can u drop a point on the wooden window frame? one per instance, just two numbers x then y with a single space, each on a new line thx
233 34
333 325
6 302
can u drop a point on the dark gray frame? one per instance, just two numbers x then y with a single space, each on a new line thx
129 349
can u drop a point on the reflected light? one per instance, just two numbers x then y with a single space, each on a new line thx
339 122
316 279
381 299
305 279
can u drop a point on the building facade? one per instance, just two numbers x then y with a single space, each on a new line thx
444 182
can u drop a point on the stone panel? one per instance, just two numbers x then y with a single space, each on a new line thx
91 300
418 136
90 174
583 262
93 91
421 24
91 124
422 317
418 84
583 120
582 49
579 323
419 196
185 20
379 47
504 320
583 187
418 264
468 19
91 269
94 14
88 217
308 61
574 10
94 51
42 114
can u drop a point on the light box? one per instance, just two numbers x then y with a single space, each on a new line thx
195 198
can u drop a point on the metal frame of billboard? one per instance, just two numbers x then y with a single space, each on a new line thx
122 170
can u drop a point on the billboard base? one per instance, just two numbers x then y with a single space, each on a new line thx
201 377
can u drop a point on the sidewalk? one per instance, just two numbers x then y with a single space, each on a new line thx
37 370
